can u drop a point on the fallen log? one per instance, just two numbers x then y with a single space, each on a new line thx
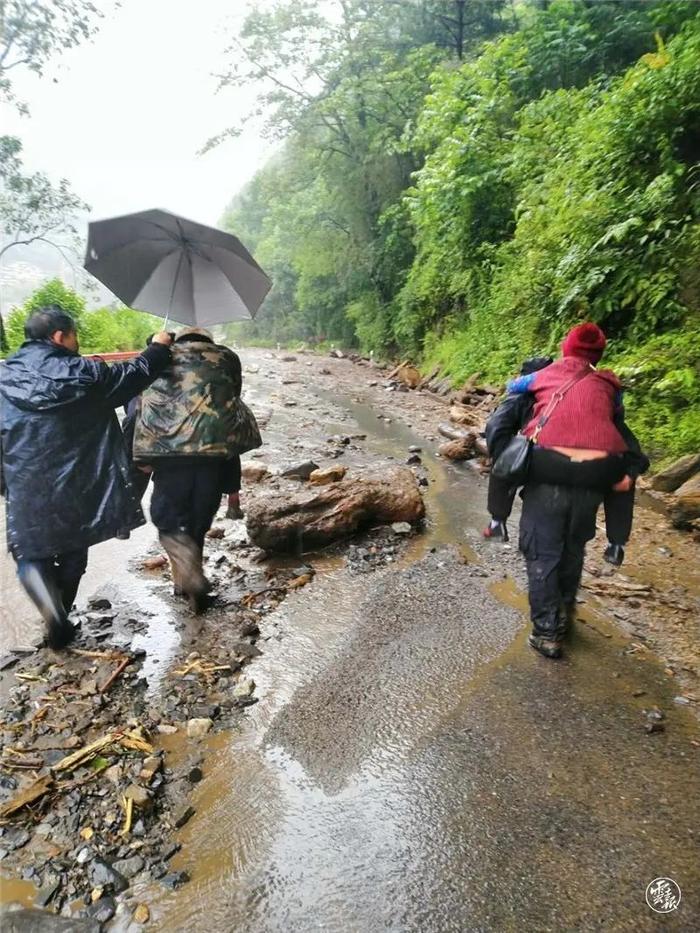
292 520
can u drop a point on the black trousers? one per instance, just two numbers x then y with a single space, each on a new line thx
554 468
187 495
556 523
52 582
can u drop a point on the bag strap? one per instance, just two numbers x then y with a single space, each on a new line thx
554 401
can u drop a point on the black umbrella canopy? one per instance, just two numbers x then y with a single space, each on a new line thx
176 268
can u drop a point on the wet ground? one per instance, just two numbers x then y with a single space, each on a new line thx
411 765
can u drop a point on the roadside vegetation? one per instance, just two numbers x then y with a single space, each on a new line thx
463 201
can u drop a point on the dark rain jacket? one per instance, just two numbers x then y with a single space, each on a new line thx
193 409
65 467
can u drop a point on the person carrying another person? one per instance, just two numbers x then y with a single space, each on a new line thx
189 432
64 464
578 454
511 416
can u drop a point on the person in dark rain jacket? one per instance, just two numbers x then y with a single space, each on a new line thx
62 447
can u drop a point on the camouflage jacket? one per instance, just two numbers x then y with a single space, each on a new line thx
193 408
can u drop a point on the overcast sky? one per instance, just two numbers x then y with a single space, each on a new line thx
132 107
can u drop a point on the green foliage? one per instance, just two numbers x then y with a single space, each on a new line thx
469 213
102 331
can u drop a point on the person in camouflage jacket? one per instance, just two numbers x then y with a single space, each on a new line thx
190 431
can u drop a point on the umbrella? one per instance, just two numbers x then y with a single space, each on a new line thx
164 264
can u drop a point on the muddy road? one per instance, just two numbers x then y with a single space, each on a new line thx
410 764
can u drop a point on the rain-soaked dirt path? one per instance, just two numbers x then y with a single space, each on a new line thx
411 765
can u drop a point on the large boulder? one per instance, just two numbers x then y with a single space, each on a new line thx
677 474
686 504
287 519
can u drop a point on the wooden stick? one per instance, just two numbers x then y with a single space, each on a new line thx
110 680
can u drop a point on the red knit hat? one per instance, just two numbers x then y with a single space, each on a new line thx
585 340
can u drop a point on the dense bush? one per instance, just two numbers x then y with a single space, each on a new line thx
100 331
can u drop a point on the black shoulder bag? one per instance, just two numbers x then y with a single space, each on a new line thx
514 462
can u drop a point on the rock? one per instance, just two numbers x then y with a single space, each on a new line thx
15 838
140 796
461 449
102 910
677 474
254 472
142 914
288 359
129 867
413 458
331 474
182 815
102 875
301 471
197 728
99 603
150 768
194 775
453 433
686 506
153 563
171 849
244 687
652 727
216 532
175 879
84 856
165 729
28 920
401 528
250 629
8 660
283 521
337 354
47 893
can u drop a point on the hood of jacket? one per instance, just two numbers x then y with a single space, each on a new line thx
41 376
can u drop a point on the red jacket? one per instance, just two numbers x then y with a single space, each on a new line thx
584 417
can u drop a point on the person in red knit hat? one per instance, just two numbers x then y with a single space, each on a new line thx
579 454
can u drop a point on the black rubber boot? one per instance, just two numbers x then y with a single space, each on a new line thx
45 595
614 554
186 561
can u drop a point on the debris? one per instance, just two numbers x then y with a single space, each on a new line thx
28 796
110 680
